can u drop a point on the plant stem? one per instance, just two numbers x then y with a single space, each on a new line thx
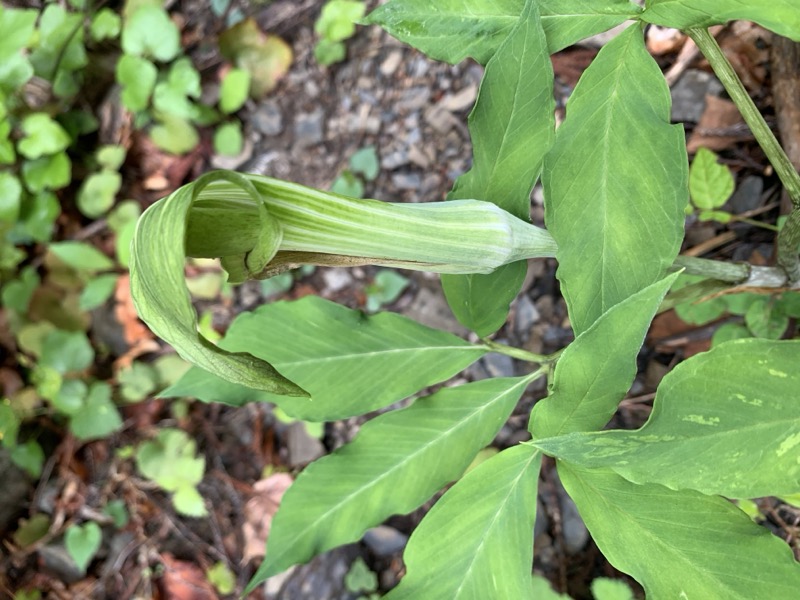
713 269
789 237
519 353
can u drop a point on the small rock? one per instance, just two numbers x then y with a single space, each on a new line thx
461 100
337 279
431 309
322 578
498 365
302 448
384 540
413 98
395 159
747 196
268 119
419 157
406 181
390 63
57 561
573 529
308 129
440 119
525 316
689 95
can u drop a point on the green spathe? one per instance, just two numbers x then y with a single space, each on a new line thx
260 226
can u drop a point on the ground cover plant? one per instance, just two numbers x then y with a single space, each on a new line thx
725 423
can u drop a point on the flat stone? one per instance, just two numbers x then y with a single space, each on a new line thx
525 316
413 98
395 159
689 95
337 279
461 100
308 128
431 309
406 181
747 196
390 63
57 561
268 119
573 529
384 540
302 448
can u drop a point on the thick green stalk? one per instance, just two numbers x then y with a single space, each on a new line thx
789 237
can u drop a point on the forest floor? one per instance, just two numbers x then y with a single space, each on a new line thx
413 112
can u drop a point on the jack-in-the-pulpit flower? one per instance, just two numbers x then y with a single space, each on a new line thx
258 227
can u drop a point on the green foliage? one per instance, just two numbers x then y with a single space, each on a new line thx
710 186
363 166
149 32
83 542
228 139
170 461
336 23
359 578
616 181
234 90
385 289
222 578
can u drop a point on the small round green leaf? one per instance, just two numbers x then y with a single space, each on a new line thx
105 24
137 76
81 256
710 183
47 173
98 192
83 542
150 32
10 197
66 351
234 90
174 135
98 417
228 139
42 136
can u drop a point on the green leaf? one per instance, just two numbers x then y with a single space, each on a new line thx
162 299
385 289
615 182
10 197
137 76
42 136
124 213
543 591
16 294
81 256
150 32
98 417
365 161
452 30
337 498
83 542
188 501
780 16
9 424
234 90
348 184
681 544
710 183
729 331
515 107
117 510
490 512
222 578
14 74
337 20
604 588
765 320
723 422
360 578
16 29
59 50
137 381
7 154
47 173
66 351
589 381
37 217
29 457
228 139
351 363
327 52
170 461
174 134
265 57
70 397
111 157
106 24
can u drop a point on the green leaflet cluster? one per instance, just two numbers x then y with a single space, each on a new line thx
615 176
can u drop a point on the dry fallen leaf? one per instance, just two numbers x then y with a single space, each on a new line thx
720 127
258 513
138 337
184 581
